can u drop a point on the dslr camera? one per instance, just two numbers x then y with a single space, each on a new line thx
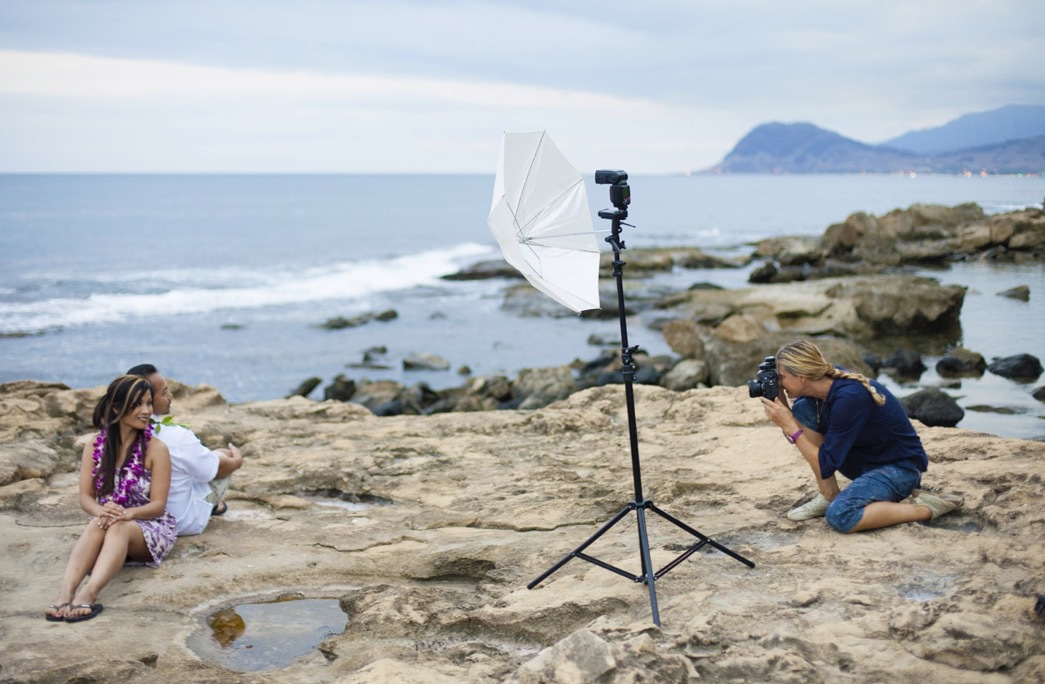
766 383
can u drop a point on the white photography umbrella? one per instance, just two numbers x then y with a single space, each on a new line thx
542 222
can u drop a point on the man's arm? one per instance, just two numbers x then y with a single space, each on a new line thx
229 460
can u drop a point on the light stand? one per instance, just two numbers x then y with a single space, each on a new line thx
620 195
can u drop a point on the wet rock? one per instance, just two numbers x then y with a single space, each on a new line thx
372 359
424 361
341 389
496 387
933 407
961 362
485 270
1020 292
373 353
306 387
340 322
1017 367
766 273
1039 393
907 363
382 397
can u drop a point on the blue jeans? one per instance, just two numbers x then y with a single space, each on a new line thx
886 483
804 411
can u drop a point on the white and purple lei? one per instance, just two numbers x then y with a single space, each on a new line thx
130 473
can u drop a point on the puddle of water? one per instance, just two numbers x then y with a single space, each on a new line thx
333 498
926 588
259 636
913 592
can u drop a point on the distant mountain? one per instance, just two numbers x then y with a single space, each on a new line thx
805 148
1026 155
1011 122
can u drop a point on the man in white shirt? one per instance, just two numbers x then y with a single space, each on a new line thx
199 476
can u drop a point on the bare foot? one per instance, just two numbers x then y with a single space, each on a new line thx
56 612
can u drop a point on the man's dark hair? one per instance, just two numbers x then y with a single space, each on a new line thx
143 369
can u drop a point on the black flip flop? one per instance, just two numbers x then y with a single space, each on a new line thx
220 508
95 609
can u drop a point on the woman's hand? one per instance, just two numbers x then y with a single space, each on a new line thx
113 512
778 412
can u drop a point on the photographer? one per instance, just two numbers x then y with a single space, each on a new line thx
844 422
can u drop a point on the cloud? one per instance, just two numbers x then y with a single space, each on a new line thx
84 76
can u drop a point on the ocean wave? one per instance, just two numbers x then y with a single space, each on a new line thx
195 291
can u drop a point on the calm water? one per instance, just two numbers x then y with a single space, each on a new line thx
224 279
266 635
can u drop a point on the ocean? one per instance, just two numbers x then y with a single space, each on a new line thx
226 279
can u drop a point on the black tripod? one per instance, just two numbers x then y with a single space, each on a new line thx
620 195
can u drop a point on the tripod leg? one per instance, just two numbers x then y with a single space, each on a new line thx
702 537
647 565
591 540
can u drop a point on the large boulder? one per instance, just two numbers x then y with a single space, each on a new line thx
902 305
683 336
920 234
860 308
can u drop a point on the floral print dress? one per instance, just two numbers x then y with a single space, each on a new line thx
131 488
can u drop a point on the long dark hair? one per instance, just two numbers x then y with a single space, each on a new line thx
123 395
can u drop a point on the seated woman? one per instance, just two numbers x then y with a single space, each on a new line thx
844 422
124 479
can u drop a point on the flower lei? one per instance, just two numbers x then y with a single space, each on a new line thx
132 470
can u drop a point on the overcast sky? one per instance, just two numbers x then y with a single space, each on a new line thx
650 86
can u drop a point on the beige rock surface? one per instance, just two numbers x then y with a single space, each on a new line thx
433 584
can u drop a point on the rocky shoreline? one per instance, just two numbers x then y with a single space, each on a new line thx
453 513
851 288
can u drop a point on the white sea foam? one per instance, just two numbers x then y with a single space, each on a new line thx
197 292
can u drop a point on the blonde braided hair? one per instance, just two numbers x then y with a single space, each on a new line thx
804 359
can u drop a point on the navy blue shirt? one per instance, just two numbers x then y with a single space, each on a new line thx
859 435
